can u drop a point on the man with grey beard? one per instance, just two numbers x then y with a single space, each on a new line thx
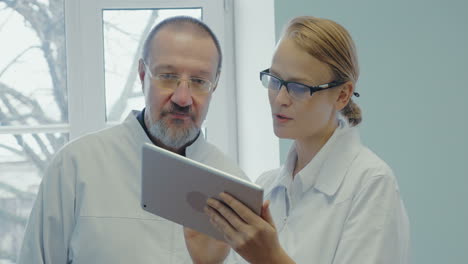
88 206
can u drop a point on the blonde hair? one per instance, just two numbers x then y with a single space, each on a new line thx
331 44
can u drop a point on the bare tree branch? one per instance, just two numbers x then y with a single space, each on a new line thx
35 16
38 162
18 193
12 217
48 23
15 151
118 108
8 3
56 142
9 120
15 59
36 109
110 25
8 256
57 79
42 146
6 17
34 157
36 113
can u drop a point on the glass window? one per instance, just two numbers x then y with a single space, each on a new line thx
23 159
124 34
34 105
33 96
32 66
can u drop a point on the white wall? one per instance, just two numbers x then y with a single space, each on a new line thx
254 45
414 94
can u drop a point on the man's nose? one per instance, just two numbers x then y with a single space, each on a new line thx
182 95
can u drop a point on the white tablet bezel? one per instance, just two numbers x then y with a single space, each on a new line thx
176 188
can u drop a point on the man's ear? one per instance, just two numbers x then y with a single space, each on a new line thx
141 71
345 92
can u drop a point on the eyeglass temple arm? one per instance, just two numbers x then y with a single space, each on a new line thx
316 89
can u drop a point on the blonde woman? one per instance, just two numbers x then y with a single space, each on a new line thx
333 201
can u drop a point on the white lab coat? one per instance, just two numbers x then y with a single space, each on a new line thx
344 207
88 206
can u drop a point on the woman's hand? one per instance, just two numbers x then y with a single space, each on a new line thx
251 236
204 249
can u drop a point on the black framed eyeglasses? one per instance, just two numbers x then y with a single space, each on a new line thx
295 90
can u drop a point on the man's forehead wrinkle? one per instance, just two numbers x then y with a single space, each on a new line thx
187 27
180 31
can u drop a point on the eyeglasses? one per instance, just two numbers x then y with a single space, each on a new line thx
169 81
298 91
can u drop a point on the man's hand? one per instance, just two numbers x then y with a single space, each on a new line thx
204 249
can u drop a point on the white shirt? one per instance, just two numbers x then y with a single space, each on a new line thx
343 207
88 206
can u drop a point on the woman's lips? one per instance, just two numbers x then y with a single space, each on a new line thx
282 118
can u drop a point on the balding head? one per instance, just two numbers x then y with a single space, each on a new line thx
182 24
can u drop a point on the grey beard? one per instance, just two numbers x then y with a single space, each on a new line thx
173 137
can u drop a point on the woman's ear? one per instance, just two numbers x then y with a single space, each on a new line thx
345 92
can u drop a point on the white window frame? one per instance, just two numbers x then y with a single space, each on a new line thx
85 65
238 117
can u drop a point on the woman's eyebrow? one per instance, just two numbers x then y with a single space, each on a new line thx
294 79
274 73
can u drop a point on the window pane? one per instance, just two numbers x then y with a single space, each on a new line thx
23 159
124 34
32 65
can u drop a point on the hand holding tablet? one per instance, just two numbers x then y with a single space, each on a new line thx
188 184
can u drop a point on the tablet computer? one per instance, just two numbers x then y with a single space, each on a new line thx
176 188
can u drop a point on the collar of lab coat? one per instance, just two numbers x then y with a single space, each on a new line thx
326 171
141 136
